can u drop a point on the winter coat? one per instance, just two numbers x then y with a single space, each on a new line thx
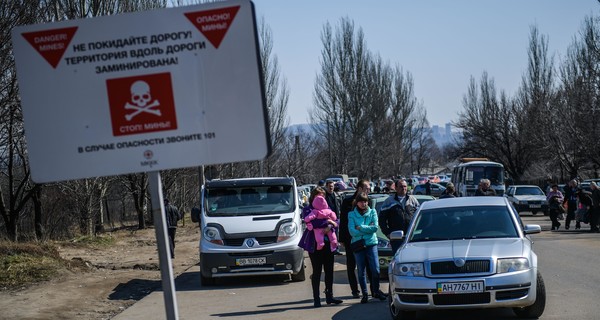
173 215
396 213
345 210
368 223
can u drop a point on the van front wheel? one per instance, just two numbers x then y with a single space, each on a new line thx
207 281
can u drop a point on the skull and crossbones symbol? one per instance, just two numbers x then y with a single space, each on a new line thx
140 96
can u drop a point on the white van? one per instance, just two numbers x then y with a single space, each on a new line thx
250 227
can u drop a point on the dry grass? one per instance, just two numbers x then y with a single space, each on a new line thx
22 264
26 263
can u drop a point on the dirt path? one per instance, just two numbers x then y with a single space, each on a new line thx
120 275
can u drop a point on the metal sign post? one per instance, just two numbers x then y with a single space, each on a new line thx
160 226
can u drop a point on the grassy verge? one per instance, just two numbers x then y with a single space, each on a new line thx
22 264
26 263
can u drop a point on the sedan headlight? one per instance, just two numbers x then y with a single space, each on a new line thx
383 243
286 231
522 201
512 265
409 269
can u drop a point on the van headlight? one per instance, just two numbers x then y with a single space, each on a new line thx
212 235
286 231
512 265
409 269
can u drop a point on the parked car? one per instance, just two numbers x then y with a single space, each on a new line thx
443 183
384 248
423 198
444 178
434 179
436 189
466 253
411 182
527 198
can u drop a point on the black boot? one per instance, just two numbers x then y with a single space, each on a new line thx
315 282
330 299
317 302
365 298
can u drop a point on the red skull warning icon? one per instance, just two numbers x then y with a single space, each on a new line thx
141 96
141 104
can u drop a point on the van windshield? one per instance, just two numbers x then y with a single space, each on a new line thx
494 174
249 200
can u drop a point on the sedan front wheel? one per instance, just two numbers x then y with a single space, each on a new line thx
396 313
535 310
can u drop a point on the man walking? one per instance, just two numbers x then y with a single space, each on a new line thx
595 210
172 215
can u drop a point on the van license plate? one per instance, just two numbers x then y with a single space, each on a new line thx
535 206
460 287
250 261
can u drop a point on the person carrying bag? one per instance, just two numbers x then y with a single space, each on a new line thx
362 225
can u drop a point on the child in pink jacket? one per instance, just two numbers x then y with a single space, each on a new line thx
321 211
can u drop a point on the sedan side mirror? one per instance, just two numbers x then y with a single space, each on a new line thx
532 228
397 235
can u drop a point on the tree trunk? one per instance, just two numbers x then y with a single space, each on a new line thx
37 214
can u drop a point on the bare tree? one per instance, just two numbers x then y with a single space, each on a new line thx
16 188
276 96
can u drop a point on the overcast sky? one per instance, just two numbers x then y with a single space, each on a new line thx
442 43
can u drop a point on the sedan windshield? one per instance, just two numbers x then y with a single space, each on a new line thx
463 223
534 191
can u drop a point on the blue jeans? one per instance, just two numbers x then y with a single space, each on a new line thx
363 258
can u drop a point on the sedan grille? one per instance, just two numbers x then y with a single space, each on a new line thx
471 266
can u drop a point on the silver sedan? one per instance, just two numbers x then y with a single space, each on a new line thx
461 253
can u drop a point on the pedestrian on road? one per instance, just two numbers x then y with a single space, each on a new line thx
345 238
555 199
595 212
484 188
428 187
321 260
571 202
396 212
362 225
172 215
450 192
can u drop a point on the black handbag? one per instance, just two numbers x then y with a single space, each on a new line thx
358 245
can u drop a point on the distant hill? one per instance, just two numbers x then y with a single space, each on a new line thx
300 128
441 136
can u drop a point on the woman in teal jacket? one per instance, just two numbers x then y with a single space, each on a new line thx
363 224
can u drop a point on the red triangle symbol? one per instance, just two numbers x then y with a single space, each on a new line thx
213 24
51 44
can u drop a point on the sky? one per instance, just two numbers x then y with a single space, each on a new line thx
442 43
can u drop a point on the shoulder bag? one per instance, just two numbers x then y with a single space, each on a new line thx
359 245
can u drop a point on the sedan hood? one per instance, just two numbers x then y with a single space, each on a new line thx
450 249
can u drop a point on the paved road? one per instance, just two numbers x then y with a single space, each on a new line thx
568 261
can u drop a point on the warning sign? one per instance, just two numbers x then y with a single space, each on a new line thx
141 104
213 23
146 91
51 44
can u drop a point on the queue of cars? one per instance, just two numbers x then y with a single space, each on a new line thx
468 252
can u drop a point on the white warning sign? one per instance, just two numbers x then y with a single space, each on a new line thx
144 91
